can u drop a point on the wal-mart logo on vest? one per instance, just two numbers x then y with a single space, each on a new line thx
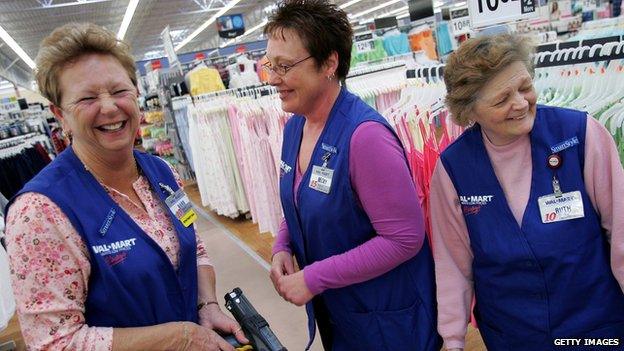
471 205
284 168
115 252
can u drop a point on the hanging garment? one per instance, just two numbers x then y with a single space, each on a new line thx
7 302
317 231
243 73
115 300
422 39
180 112
396 43
17 169
218 176
376 52
514 308
202 80
443 37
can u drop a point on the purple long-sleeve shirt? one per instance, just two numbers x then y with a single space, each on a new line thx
382 183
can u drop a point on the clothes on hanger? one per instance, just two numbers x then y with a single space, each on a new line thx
443 37
421 38
212 150
243 73
180 112
203 79
374 51
235 142
396 43
20 163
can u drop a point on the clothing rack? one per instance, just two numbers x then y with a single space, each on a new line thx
254 91
374 69
14 147
578 43
591 51
14 141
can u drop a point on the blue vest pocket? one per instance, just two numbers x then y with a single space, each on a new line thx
408 328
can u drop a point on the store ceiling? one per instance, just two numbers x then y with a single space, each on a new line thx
29 21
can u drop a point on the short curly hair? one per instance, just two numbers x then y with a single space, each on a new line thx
323 27
475 62
68 43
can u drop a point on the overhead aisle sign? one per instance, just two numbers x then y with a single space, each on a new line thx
485 13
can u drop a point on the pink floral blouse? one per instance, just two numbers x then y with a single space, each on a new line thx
50 267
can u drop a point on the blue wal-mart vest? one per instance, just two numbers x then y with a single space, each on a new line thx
540 281
391 312
137 285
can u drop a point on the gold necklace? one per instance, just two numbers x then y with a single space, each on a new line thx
136 171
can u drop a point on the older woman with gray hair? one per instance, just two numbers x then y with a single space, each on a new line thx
525 213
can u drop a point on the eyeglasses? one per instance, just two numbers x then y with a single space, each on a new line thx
281 69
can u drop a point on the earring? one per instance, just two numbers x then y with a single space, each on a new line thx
66 134
330 77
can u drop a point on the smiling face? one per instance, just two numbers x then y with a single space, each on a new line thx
304 85
98 106
506 105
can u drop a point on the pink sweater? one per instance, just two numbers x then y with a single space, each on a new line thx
382 183
604 180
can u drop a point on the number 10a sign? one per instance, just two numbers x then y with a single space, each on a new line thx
485 13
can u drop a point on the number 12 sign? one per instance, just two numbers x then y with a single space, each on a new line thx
485 13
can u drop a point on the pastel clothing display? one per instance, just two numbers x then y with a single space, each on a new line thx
214 157
51 308
513 164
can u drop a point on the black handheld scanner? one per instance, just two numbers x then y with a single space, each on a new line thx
254 325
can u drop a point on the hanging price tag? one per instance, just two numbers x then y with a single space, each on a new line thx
460 21
364 43
485 13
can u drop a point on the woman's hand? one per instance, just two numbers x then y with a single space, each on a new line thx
282 264
211 317
198 338
294 289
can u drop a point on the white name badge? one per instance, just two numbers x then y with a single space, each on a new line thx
555 209
181 207
321 179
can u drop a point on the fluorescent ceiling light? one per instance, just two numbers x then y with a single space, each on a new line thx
352 2
125 23
6 85
403 15
201 28
16 48
373 9
399 10
460 4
